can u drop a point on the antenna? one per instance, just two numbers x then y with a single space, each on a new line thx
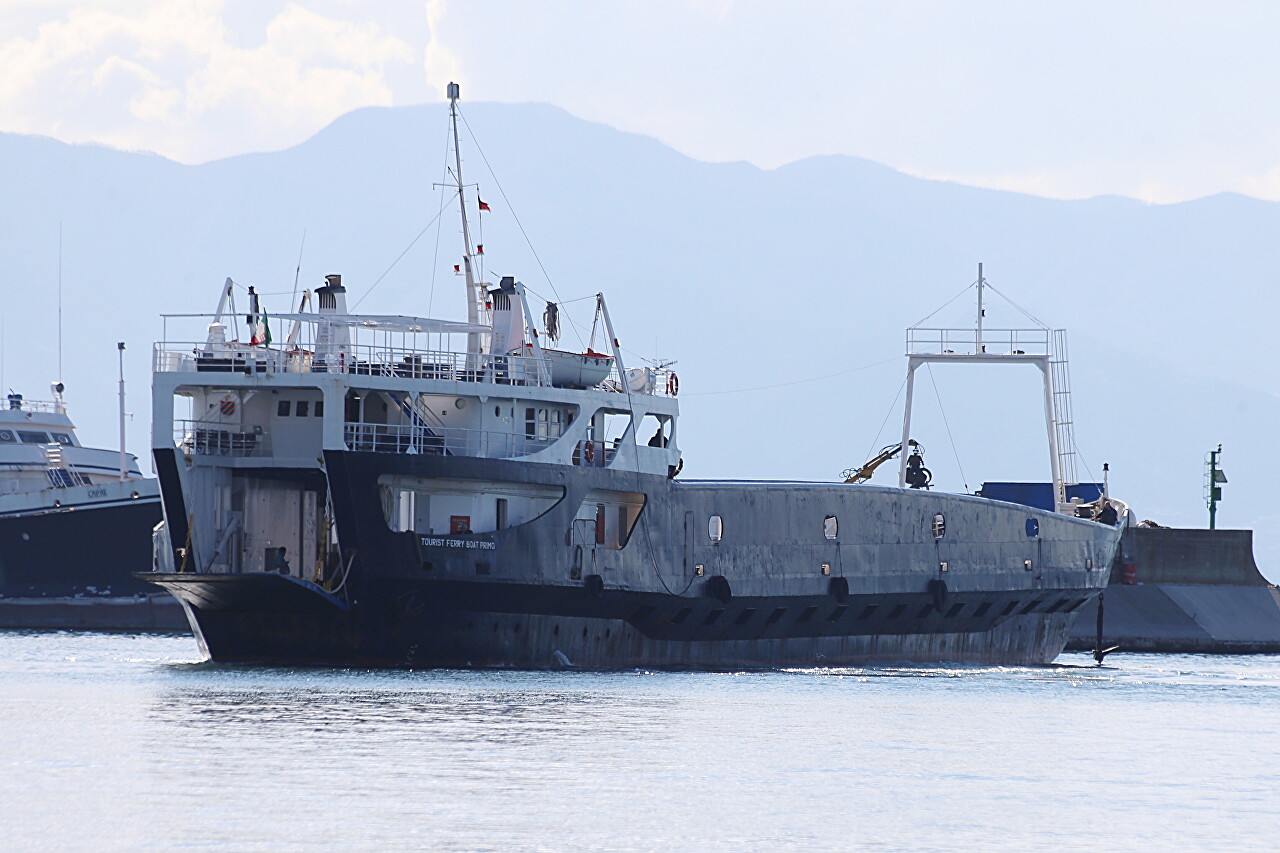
124 456
59 380
297 271
473 301
980 348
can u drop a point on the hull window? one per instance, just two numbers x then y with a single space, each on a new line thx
830 527
606 518
434 506
715 528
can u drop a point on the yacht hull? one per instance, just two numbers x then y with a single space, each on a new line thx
87 545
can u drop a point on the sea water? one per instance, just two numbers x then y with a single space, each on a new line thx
124 742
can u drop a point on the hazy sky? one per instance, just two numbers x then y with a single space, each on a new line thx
1158 100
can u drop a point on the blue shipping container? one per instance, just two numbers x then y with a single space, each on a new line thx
1038 495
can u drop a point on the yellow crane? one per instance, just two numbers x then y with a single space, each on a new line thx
918 476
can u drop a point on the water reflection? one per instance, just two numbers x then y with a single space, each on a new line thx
524 708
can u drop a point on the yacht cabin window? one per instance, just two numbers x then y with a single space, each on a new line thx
33 437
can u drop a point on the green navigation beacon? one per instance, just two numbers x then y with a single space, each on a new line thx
1214 478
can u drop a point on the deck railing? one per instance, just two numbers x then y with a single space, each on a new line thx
456 441
17 403
356 359
204 438
965 342
365 360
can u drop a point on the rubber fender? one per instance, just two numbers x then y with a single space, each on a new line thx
838 588
594 585
938 594
717 587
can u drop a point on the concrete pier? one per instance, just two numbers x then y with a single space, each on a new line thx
1184 590
154 613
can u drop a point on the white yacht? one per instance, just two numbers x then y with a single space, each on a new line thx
75 525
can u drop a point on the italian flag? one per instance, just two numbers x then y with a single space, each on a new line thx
261 332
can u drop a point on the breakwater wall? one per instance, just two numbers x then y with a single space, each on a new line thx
1184 590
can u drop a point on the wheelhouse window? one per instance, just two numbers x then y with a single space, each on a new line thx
63 438
830 527
7 435
543 424
282 408
301 409
33 437
715 528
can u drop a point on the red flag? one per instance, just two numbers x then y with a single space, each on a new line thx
480 248
483 206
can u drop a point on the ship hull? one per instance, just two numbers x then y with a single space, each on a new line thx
81 547
440 627
771 592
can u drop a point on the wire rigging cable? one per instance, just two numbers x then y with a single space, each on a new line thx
444 200
795 382
876 441
947 424
397 260
511 208
986 283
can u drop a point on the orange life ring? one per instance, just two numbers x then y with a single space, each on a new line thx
673 385
589 451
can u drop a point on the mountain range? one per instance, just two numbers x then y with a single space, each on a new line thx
782 294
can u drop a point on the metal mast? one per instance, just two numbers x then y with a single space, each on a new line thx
981 348
1042 347
124 455
473 297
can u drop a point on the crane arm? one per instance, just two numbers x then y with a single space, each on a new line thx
861 475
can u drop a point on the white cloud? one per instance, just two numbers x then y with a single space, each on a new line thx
1159 101
172 77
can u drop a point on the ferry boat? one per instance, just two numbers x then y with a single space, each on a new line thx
75 526
410 491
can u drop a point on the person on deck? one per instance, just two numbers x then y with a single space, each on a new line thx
1108 514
